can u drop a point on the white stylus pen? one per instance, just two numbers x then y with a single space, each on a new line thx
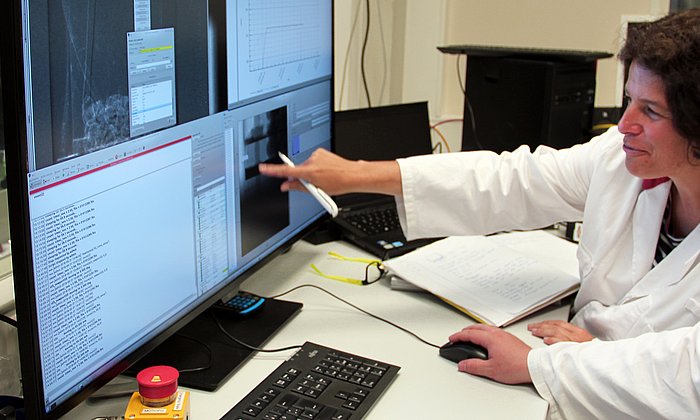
320 195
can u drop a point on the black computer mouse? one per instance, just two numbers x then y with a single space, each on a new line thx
461 350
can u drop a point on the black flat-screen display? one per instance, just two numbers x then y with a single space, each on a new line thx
134 130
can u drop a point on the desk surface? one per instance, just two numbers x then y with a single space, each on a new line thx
427 386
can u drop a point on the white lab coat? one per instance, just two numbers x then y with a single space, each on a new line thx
626 372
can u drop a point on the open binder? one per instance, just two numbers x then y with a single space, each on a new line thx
497 279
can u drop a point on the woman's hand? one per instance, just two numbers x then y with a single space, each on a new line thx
337 175
555 331
507 362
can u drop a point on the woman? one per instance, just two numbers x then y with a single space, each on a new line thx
635 188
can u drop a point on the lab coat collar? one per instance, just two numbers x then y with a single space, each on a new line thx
647 223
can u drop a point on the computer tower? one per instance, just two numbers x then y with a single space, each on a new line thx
511 101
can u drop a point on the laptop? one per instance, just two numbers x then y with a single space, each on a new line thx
370 221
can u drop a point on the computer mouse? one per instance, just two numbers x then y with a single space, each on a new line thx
461 350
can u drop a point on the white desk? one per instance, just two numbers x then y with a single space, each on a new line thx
427 385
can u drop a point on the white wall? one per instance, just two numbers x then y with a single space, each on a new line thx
568 24
401 60
383 68
404 65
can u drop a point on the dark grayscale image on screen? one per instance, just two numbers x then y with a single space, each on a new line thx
80 90
264 208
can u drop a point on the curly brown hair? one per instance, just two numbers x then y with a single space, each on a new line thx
670 47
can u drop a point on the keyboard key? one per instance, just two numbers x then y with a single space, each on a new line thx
355 398
351 405
341 415
281 383
308 414
326 414
309 405
312 393
253 411
300 389
370 381
260 404
266 397
361 392
277 410
287 400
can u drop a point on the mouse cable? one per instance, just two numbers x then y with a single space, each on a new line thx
407 331
253 348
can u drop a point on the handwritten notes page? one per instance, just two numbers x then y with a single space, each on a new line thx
486 278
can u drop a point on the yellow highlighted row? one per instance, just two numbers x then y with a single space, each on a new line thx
166 47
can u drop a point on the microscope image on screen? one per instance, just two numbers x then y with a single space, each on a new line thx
264 208
94 86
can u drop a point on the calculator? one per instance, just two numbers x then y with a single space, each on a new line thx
241 304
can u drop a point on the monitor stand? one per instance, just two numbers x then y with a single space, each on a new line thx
201 344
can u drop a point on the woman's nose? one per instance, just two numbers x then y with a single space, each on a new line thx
628 122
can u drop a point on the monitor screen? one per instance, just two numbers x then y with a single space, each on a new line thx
137 135
384 132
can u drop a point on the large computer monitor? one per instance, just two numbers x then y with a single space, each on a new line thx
134 129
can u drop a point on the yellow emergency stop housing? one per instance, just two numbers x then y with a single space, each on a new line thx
179 409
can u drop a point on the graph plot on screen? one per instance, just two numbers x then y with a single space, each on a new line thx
274 46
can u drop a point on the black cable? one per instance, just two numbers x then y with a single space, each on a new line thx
469 108
362 61
359 309
459 76
253 348
473 123
248 346
8 320
203 344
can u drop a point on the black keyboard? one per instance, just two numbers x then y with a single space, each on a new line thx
375 221
317 383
